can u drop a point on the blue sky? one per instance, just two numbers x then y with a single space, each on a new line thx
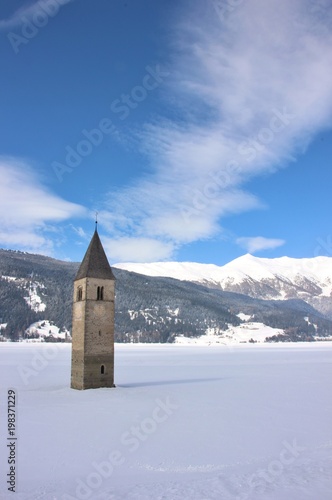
199 131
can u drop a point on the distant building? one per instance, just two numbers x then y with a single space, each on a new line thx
92 363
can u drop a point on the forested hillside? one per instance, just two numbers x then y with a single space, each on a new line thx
34 287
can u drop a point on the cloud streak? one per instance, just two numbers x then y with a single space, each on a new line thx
251 93
257 243
144 249
29 11
29 212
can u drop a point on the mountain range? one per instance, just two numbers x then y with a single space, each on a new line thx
163 302
269 279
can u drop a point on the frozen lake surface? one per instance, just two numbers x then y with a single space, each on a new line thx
184 422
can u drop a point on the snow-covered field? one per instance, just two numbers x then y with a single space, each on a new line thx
249 421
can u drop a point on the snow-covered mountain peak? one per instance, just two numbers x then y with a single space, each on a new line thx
247 265
315 268
184 271
279 278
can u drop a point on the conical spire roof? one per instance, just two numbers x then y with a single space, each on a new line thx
95 263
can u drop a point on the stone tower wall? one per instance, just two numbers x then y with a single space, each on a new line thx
93 334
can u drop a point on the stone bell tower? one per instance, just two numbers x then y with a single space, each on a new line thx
92 364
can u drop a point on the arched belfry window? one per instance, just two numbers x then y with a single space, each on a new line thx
102 369
100 293
79 293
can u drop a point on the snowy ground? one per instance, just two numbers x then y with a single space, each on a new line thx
249 421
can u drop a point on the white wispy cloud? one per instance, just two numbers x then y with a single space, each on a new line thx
137 249
257 243
80 232
29 212
251 93
29 10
